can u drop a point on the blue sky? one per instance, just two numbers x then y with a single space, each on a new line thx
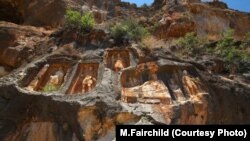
241 5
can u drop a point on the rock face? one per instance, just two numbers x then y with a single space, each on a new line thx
205 19
66 86
39 12
18 43
49 13
174 18
11 11
87 108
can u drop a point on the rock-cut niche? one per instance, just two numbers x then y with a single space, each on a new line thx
153 84
117 59
49 78
85 78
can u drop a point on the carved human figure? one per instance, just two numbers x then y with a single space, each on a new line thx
55 80
173 84
176 89
33 84
88 83
60 75
190 84
119 64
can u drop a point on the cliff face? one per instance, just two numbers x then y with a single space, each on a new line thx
174 18
205 19
156 92
39 13
59 86
48 13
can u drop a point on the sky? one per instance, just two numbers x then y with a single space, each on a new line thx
241 5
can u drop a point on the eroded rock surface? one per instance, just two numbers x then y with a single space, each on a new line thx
175 20
19 43
169 92
70 87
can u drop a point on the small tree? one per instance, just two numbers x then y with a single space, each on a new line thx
119 32
75 20
87 21
128 29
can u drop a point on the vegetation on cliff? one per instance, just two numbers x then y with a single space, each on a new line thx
190 42
234 54
83 22
128 30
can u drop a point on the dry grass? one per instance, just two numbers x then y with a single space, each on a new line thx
152 42
149 42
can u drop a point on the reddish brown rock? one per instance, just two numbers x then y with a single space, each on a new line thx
205 19
18 42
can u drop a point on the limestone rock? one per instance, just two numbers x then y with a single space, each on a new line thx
74 86
177 19
18 42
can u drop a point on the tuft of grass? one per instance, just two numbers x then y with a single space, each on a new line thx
50 88
149 41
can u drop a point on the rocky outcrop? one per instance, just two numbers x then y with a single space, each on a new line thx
18 43
88 108
71 86
49 13
230 109
218 21
174 26
175 20
38 13
10 12
218 4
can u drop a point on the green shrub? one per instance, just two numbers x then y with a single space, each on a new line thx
75 20
246 41
50 88
236 59
87 21
190 41
235 56
129 29
119 32
226 43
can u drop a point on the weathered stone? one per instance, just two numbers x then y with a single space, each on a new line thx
85 79
18 43
99 86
